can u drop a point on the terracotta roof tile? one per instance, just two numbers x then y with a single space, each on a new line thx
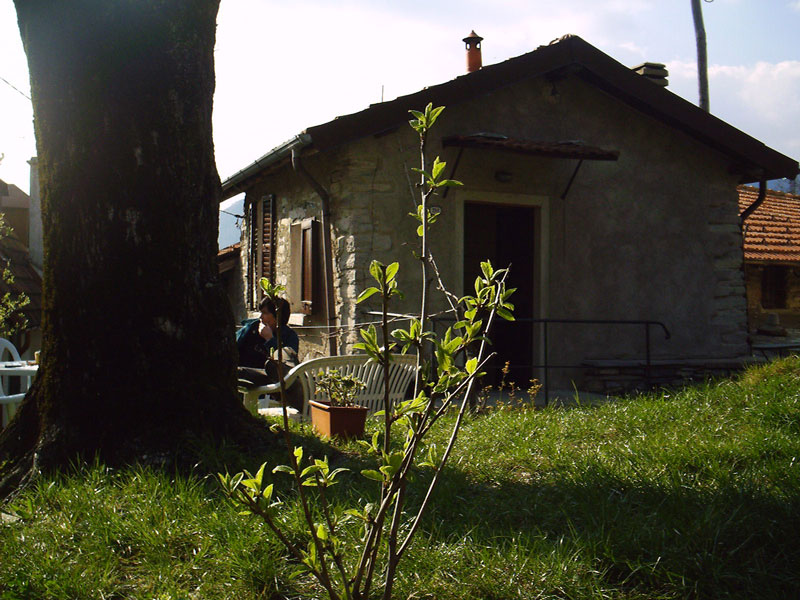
772 232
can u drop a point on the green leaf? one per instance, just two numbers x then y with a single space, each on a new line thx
486 268
433 114
391 271
376 270
367 293
372 474
471 365
309 470
267 493
322 533
438 167
503 313
260 474
449 183
298 453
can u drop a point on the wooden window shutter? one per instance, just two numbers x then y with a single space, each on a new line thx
305 285
252 265
262 245
268 237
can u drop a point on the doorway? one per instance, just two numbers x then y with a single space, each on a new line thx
506 235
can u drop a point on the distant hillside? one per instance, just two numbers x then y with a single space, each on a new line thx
791 186
229 225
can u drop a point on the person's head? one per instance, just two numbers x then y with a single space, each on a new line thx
269 311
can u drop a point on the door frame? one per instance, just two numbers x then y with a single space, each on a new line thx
541 271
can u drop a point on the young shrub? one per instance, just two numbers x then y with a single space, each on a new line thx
448 368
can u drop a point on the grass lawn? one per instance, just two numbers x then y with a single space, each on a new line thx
691 494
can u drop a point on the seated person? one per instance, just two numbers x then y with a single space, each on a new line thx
259 337
257 342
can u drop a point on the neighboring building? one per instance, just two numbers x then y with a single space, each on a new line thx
230 274
15 252
613 198
772 258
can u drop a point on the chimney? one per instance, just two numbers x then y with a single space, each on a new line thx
655 72
473 42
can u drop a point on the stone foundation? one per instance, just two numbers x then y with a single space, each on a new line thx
614 377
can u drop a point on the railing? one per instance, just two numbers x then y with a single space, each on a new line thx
546 366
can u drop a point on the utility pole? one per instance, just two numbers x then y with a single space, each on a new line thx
702 54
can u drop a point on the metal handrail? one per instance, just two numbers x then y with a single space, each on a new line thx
546 366
647 323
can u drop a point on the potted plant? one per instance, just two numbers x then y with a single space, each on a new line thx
338 414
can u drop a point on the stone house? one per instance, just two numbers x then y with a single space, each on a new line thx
612 198
772 258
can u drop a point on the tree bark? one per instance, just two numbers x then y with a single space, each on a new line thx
138 351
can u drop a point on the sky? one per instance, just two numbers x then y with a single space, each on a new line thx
284 66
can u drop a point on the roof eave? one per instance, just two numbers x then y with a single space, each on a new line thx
235 184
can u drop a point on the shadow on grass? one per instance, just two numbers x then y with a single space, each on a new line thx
709 543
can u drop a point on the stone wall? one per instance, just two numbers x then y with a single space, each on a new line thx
789 316
653 235
617 378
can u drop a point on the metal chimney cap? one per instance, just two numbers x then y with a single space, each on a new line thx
473 37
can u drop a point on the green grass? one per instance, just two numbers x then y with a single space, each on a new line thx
691 494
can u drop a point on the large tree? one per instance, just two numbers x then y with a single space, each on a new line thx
138 349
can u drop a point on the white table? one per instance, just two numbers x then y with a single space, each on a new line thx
9 402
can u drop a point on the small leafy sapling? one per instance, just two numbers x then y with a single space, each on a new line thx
444 379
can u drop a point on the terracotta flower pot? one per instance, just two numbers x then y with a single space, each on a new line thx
345 421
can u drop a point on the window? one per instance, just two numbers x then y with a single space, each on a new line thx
305 284
262 245
774 286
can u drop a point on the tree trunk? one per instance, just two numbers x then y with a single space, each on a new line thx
138 350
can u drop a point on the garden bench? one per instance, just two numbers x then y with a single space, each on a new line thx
402 370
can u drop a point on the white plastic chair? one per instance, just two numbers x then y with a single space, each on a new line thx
402 370
9 402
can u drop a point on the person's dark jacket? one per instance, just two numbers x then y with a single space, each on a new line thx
254 350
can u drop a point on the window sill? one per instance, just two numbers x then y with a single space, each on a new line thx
299 320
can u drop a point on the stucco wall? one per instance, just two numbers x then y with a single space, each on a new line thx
653 235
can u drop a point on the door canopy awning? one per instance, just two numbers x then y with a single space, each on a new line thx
572 149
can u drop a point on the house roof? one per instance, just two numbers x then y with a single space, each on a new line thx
772 231
26 278
227 257
751 158
12 197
